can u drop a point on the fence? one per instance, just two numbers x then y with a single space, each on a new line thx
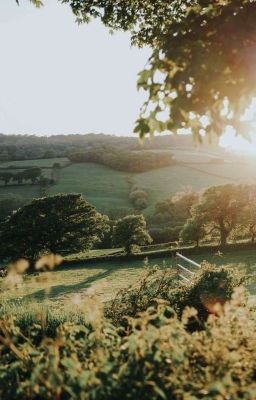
184 272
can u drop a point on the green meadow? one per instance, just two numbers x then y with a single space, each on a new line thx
108 189
60 288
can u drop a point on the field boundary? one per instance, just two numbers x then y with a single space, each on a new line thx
188 165
171 253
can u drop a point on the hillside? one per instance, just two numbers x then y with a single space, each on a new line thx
109 189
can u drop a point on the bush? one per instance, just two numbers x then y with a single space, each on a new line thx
141 204
212 285
165 235
139 198
138 194
156 358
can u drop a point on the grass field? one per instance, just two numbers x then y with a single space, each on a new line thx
109 190
165 182
47 162
103 187
105 279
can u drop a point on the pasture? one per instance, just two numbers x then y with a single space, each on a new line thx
44 162
108 189
104 279
105 188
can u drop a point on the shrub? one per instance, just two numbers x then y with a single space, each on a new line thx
141 203
165 235
138 194
210 287
139 198
157 358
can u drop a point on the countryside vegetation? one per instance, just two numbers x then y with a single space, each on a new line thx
127 266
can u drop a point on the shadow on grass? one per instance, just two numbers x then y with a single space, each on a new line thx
60 290
117 264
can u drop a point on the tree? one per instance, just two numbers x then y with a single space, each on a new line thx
32 174
18 177
202 58
10 203
193 231
248 219
220 208
131 231
56 224
6 177
176 209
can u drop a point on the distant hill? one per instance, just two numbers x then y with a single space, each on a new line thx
30 147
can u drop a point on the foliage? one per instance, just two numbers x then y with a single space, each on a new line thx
53 224
220 208
31 147
131 231
10 203
30 174
177 209
165 235
210 287
200 49
193 231
123 160
155 355
139 198
248 218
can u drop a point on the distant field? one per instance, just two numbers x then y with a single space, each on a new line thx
105 188
109 190
165 182
47 162
192 155
105 279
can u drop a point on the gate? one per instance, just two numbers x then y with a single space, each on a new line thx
186 272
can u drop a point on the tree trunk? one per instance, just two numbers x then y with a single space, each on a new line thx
128 249
252 233
223 233
223 237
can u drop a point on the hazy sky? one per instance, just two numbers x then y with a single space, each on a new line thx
58 77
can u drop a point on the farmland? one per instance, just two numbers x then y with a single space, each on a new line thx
105 279
109 189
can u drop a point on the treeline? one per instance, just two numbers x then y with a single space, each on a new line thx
171 214
220 213
29 147
124 160
32 175
224 213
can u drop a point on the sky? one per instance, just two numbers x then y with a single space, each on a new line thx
57 77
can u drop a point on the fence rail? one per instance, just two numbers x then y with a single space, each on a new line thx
183 272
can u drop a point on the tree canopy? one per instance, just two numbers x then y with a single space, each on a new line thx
220 209
52 224
131 231
201 70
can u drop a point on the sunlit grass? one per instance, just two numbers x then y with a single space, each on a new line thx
105 279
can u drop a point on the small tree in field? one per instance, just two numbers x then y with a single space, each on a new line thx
131 231
56 224
193 231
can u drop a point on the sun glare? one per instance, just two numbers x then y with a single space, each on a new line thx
231 141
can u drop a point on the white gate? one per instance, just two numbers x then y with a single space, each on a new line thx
184 272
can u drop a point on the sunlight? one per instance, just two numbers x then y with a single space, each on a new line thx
231 141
